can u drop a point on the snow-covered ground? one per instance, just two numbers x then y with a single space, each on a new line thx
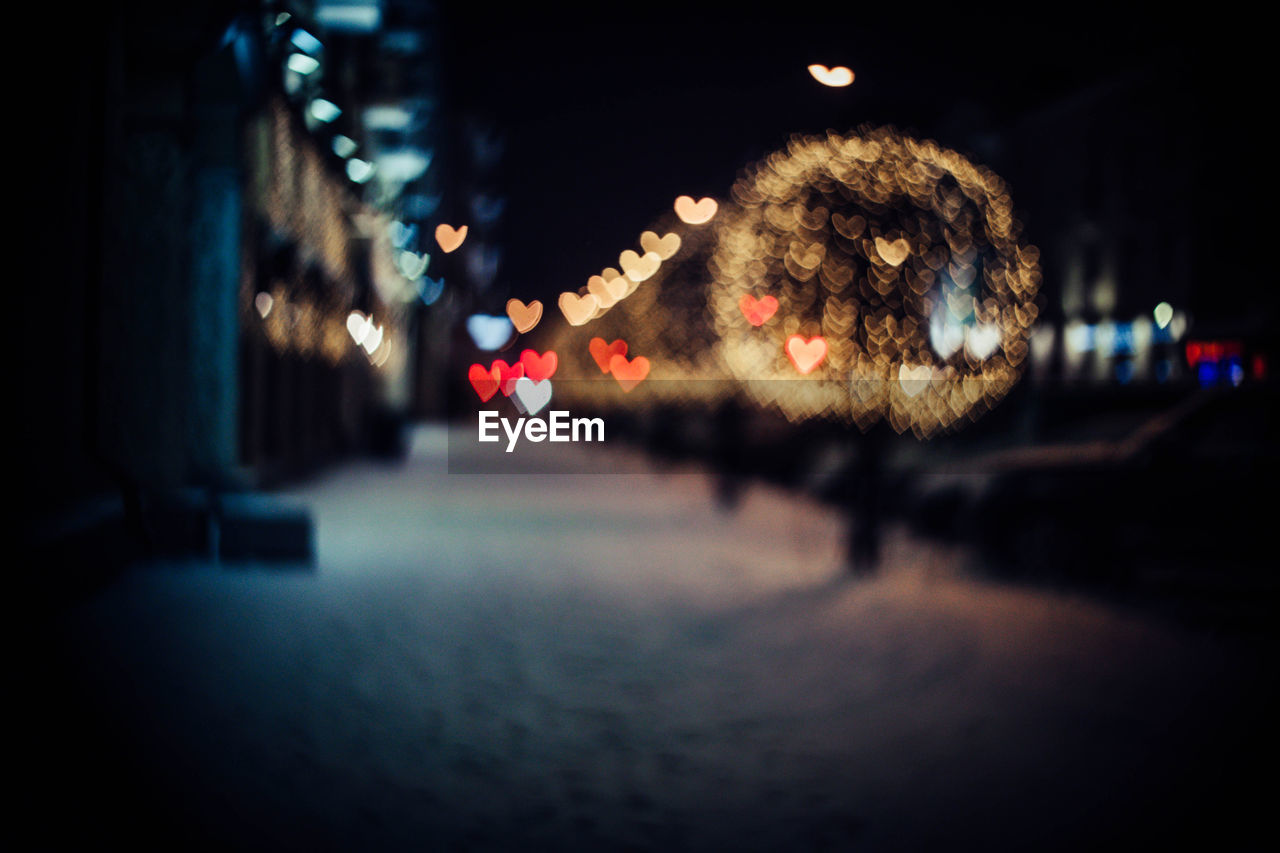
564 661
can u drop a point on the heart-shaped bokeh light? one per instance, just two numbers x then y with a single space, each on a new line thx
836 77
603 352
663 247
983 340
532 397
629 373
373 339
263 303
578 310
639 267
758 311
489 332
539 367
359 326
485 383
914 379
806 355
606 293
412 265
450 238
893 252
695 212
524 317
506 374
430 289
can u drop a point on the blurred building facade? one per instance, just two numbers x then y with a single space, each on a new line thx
231 228
1128 191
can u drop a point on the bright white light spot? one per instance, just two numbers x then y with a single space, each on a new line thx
344 146
324 111
945 336
263 303
404 165
1178 325
1042 344
1079 338
1104 338
302 63
983 340
359 326
387 118
1141 331
359 170
282 19
836 77
914 379
1163 314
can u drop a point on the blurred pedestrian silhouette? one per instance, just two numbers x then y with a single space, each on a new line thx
728 454
863 497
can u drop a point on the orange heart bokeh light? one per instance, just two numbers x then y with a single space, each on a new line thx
524 317
603 353
450 238
629 373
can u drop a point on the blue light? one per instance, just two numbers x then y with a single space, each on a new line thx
1122 343
1124 372
489 332
429 289
487 210
1207 373
402 235
421 206
306 42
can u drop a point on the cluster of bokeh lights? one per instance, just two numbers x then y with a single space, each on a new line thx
902 255
862 277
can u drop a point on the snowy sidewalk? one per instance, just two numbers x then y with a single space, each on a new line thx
610 662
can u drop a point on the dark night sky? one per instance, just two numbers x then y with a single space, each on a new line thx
610 114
